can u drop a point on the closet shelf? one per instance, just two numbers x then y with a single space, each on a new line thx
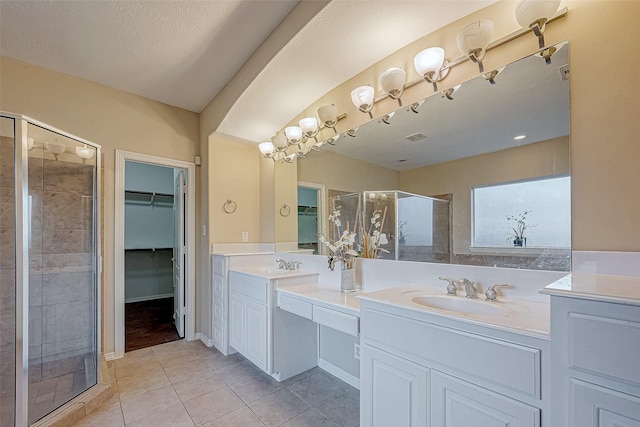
147 249
150 198
307 210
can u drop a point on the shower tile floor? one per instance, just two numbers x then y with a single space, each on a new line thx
188 384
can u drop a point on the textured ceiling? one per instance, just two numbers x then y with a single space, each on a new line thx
181 53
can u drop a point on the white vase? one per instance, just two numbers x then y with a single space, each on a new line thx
348 280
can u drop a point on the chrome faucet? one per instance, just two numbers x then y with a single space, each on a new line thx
469 288
491 294
286 265
451 287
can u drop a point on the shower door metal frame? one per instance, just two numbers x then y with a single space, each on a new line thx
22 227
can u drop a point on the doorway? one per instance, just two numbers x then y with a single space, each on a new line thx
154 251
311 211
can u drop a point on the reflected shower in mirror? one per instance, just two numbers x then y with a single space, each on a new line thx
506 130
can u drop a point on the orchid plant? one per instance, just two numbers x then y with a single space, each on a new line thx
517 232
342 249
373 237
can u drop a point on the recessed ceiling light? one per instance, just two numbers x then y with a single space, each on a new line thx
519 137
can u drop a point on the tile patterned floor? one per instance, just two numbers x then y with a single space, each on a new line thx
188 384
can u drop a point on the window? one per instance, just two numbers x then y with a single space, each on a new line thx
548 219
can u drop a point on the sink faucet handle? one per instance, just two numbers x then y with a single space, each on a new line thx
491 293
282 264
451 287
296 264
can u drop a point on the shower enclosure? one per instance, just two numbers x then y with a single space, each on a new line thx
49 260
415 228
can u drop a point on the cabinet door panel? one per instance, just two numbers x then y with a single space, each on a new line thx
394 391
602 407
456 403
256 344
237 337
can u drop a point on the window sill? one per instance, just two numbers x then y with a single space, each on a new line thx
530 251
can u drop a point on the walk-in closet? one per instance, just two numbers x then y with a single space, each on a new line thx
149 245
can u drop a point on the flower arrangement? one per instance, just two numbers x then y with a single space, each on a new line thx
373 237
342 249
517 232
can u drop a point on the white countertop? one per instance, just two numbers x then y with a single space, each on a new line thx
513 315
275 272
327 295
598 287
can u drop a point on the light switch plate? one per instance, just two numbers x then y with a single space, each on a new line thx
245 236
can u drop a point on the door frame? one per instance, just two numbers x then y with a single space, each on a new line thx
190 278
322 210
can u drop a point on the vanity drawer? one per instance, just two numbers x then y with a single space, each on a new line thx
218 312
295 306
336 320
473 357
218 285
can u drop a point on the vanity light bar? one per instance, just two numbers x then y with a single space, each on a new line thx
494 44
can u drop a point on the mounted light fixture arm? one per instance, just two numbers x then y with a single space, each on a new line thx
535 14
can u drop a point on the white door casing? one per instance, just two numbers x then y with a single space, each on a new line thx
118 263
179 254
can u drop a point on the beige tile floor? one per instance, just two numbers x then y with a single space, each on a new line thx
188 384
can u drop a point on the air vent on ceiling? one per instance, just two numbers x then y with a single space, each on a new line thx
415 137
564 72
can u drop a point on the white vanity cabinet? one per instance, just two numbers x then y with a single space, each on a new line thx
596 363
422 369
219 306
278 342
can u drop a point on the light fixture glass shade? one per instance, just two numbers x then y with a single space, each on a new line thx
529 12
392 82
309 125
54 147
266 148
475 37
328 115
279 141
293 133
85 152
362 97
429 62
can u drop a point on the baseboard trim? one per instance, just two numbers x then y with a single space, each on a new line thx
339 373
205 340
110 356
148 298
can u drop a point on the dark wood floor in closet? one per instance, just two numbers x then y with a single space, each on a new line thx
149 323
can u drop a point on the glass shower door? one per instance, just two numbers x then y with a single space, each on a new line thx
62 270
7 272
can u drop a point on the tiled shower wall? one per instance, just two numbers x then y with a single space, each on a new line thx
62 299
7 282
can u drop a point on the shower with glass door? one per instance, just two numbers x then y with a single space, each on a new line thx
49 268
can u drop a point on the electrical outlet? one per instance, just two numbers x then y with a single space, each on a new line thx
356 351
564 72
245 236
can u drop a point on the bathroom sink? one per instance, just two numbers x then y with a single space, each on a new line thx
459 305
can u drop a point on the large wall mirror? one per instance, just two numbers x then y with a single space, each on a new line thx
496 147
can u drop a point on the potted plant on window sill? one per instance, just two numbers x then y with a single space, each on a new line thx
516 235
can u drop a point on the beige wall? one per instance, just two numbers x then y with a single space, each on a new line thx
605 121
109 117
343 173
458 177
234 174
